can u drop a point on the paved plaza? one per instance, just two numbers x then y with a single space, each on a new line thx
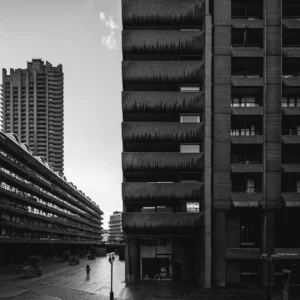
63 282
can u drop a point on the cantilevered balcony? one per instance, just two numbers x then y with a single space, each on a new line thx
140 192
290 72
243 199
291 136
247 42
137 103
141 73
291 165
162 132
247 71
163 44
291 199
290 11
162 14
161 161
247 9
291 23
176 222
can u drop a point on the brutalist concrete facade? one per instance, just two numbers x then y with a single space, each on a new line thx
244 58
166 189
33 108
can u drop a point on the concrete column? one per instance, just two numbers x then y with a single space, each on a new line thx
219 247
268 245
132 257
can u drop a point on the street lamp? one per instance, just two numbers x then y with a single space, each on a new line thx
111 259
269 258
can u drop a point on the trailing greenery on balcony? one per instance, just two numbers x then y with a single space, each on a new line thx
190 72
162 102
149 192
162 161
137 221
162 11
161 41
162 132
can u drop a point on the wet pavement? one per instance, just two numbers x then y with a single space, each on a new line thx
63 282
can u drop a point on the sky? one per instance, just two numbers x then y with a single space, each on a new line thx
85 37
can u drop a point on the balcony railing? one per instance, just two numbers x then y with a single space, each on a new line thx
161 221
247 160
245 189
291 160
290 131
162 161
162 132
161 102
162 13
155 72
137 192
162 42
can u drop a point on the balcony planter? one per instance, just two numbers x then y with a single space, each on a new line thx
162 41
162 102
136 192
162 132
161 221
157 12
155 72
161 161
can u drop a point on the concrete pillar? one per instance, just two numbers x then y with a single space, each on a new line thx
132 257
219 247
268 245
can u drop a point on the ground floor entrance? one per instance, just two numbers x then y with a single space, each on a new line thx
156 262
168 258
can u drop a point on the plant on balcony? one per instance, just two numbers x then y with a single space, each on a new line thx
140 42
175 11
162 101
154 72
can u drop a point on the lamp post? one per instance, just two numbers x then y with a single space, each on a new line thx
111 259
269 258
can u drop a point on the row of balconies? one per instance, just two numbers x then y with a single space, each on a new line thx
133 132
188 45
190 13
44 195
171 13
22 211
245 73
180 162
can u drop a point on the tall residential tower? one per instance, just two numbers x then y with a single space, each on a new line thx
33 108
211 116
166 145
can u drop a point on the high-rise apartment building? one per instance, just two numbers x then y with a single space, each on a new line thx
211 115
33 108
166 157
115 228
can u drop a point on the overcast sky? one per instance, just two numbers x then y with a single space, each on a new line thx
85 37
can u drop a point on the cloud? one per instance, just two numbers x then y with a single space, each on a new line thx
109 40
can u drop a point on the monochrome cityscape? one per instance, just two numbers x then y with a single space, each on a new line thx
210 161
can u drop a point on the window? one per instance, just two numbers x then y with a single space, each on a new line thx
192 207
250 188
190 119
298 186
189 89
189 148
